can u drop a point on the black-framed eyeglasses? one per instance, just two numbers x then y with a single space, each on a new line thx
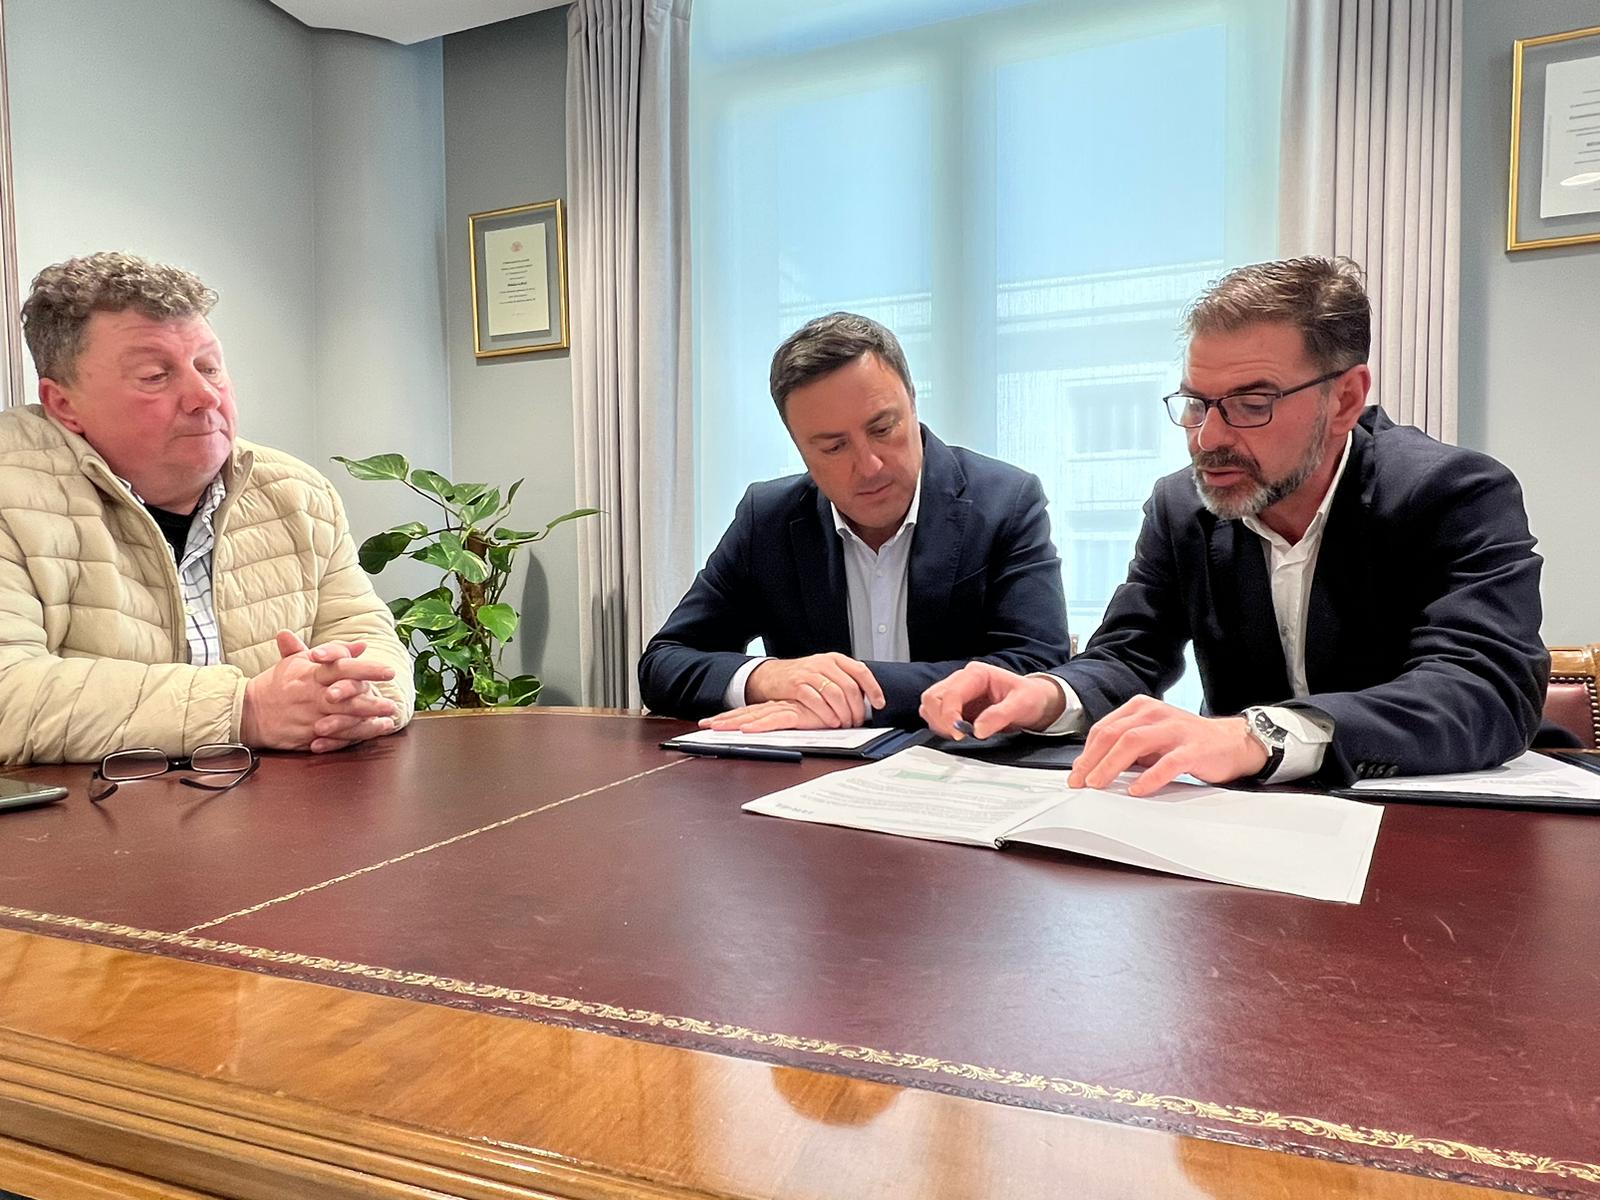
1242 410
146 762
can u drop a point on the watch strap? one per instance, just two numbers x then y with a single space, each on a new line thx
1274 761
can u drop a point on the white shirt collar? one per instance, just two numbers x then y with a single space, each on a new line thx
840 524
1256 526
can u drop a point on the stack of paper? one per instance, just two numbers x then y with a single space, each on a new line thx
1528 776
785 739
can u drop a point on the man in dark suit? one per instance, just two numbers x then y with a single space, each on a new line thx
1363 601
886 566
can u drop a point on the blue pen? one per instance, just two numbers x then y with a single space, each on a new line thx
766 753
964 727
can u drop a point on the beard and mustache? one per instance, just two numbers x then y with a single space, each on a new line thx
1256 493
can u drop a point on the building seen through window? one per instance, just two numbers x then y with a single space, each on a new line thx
1028 195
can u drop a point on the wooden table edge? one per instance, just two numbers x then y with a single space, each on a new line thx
177 1125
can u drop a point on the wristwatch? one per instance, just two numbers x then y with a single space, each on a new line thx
1272 736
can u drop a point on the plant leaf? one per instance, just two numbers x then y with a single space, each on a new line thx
429 613
498 619
523 690
448 635
396 607
454 656
449 554
433 554
432 481
572 516
379 550
487 686
379 466
516 537
511 493
465 493
481 507
500 557
459 559
429 682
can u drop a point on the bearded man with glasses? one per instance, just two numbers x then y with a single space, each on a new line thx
1363 600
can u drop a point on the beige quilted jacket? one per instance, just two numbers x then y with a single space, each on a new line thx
93 655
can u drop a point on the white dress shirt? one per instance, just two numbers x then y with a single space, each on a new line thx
1291 569
876 583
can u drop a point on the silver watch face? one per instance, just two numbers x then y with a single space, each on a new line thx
1268 730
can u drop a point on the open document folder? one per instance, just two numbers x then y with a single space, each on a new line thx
1530 777
1306 845
844 742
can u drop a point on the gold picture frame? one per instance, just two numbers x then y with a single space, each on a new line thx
1527 228
519 279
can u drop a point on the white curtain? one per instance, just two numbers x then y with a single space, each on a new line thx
1371 168
627 180
11 347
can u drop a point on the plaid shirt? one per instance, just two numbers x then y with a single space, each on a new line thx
194 577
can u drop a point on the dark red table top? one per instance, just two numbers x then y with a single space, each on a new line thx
562 868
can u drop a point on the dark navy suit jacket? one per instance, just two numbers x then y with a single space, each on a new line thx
984 582
1422 634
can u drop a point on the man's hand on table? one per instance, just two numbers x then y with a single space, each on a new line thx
1145 734
766 717
993 700
1165 742
837 692
319 699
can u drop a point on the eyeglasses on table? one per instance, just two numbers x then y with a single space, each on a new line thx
146 762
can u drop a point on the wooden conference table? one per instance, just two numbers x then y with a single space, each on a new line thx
531 954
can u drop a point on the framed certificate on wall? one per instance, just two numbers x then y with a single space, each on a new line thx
1555 141
519 279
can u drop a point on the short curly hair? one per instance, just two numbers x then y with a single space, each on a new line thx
65 295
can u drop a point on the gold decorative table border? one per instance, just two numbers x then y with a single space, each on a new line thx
1242 1116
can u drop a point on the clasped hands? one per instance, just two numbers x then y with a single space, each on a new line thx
820 691
1159 740
319 698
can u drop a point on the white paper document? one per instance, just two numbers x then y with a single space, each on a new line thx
516 275
1306 845
786 739
1526 776
1570 179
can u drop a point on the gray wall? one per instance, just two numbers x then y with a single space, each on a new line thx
299 172
378 349
1530 325
182 132
505 144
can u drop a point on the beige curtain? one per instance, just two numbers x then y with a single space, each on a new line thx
1371 168
628 188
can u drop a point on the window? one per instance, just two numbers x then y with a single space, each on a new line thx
1027 194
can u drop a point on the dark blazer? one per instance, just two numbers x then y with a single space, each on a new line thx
984 582
1422 631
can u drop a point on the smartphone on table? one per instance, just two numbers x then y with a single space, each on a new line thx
28 793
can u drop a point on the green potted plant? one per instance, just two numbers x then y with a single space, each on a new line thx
458 631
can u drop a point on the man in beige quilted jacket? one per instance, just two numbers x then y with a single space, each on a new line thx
163 583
